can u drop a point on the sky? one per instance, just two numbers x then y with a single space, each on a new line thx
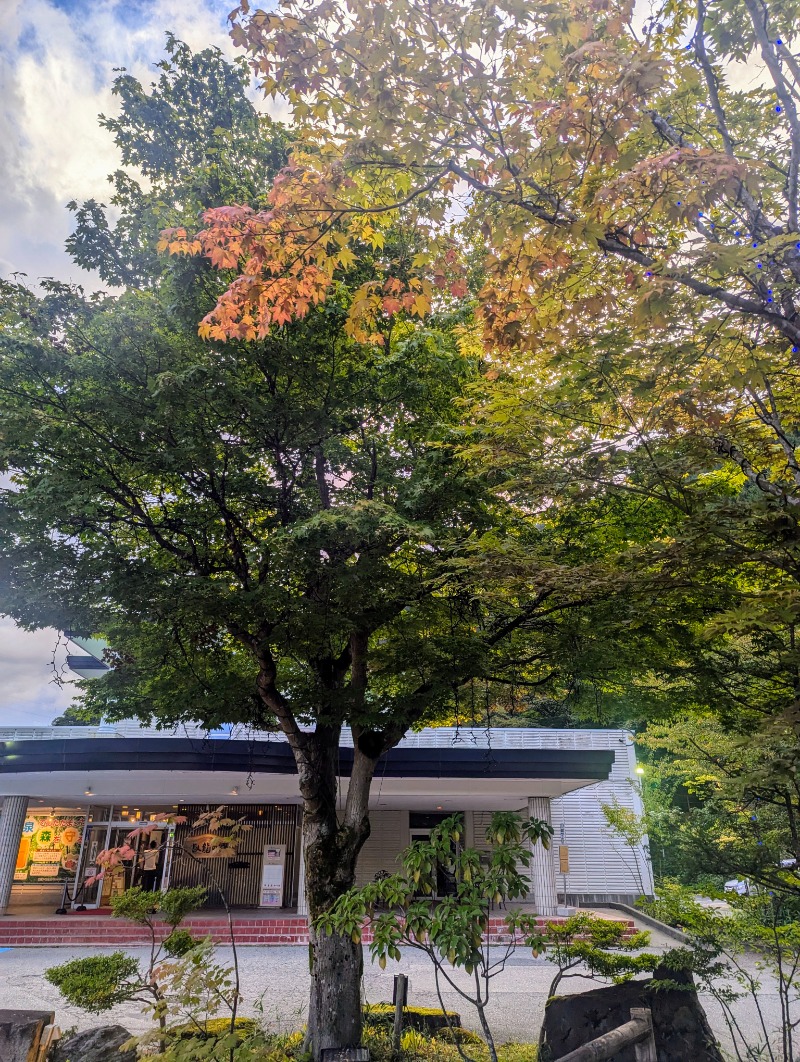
57 63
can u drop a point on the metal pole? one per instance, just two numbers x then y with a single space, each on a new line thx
77 887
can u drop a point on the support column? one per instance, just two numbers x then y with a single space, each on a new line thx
302 906
12 818
542 869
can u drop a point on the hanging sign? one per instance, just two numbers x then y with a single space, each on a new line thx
210 846
272 866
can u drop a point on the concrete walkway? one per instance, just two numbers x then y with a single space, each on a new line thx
275 985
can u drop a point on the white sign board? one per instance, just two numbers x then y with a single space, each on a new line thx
272 866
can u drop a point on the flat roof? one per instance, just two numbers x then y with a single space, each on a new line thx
450 767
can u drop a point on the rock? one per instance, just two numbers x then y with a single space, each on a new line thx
681 1028
21 1033
94 1045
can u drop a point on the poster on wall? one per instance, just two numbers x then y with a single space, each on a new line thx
272 875
49 849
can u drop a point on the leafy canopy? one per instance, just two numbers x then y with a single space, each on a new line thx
592 157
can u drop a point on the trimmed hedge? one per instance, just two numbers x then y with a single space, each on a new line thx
423 1019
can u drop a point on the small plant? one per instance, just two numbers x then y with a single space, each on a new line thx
98 983
630 830
403 912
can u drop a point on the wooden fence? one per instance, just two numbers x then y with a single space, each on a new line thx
637 1033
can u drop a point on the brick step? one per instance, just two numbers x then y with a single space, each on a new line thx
104 931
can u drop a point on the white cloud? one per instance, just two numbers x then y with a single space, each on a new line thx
57 60
29 695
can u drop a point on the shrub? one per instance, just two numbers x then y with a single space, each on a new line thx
97 982
214 1028
179 942
423 1019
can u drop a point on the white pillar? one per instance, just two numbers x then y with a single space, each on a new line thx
302 906
542 869
12 818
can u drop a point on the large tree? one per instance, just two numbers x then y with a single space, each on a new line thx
622 198
275 531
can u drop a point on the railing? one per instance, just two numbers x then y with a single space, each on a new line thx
638 1033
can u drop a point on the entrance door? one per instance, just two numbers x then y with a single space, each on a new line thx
445 876
101 836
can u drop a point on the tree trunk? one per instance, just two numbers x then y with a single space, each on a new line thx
331 845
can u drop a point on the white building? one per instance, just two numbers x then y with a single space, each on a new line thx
71 791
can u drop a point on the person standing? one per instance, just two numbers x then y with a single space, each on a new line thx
149 864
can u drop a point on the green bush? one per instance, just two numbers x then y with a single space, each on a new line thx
97 982
214 1028
456 1035
179 942
416 1047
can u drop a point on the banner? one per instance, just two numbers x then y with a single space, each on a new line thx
49 848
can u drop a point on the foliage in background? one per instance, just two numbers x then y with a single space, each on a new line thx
741 813
743 954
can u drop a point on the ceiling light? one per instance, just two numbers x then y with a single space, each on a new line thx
235 791
88 790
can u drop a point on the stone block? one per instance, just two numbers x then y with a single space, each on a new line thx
21 1033
94 1045
681 1029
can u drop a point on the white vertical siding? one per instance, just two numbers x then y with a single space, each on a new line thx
599 864
601 867
388 837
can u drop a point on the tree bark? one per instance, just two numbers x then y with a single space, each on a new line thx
331 843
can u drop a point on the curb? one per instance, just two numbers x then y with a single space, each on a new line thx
648 920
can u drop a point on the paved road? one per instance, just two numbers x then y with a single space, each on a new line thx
275 984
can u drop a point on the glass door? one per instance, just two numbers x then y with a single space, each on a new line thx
119 878
85 896
99 837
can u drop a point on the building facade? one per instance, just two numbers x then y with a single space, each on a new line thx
70 792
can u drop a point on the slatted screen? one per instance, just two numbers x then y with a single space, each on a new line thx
276 824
